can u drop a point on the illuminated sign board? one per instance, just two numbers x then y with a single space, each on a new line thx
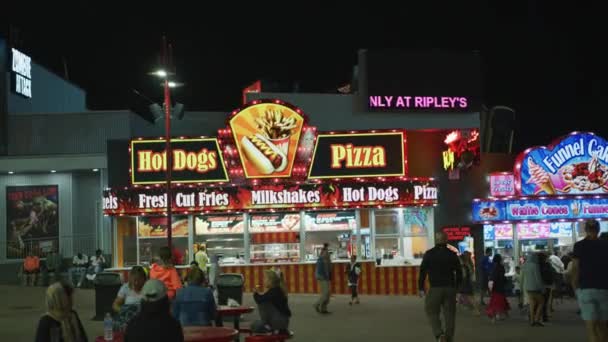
379 154
267 136
502 184
263 197
22 73
424 103
194 161
573 165
537 209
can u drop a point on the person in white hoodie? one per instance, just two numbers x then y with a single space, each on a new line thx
532 284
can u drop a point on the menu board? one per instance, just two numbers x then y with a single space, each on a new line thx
156 226
527 231
561 230
503 231
278 222
330 220
219 224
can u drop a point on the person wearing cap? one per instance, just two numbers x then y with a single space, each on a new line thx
154 322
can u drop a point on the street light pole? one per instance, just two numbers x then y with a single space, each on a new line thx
169 158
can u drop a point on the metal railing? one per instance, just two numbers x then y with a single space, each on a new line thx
66 246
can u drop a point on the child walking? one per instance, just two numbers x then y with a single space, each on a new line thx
353 272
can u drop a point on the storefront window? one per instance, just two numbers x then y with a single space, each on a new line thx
275 237
152 233
126 241
417 231
336 228
387 221
222 235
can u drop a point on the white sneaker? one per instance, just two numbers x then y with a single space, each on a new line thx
91 277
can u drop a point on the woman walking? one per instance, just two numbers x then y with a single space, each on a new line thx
498 307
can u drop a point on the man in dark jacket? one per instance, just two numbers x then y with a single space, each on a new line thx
323 276
443 269
154 322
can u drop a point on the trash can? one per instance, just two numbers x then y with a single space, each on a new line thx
230 285
106 285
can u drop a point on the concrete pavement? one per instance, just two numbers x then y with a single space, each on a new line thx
376 319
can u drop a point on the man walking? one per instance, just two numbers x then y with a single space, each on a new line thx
443 269
323 275
590 281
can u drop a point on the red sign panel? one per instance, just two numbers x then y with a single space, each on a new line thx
264 197
457 233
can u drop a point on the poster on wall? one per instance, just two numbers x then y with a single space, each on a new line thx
156 226
32 220
267 136
573 165
330 220
219 224
274 222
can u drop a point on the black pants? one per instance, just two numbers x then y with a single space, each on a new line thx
546 294
353 292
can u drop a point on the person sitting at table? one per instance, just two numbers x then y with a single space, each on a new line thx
97 263
128 301
194 304
154 322
166 272
60 322
79 266
272 306
31 268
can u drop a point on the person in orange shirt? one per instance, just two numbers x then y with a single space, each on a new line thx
31 268
166 272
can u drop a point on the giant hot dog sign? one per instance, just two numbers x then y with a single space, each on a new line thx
267 135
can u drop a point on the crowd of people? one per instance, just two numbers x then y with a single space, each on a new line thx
155 304
535 283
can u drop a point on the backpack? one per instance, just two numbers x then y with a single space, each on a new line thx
546 273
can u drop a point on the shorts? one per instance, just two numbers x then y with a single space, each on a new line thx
31 272
593 304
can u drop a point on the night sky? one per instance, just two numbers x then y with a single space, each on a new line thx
540 60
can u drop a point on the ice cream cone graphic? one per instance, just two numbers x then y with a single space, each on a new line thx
540 177
548 188
575 207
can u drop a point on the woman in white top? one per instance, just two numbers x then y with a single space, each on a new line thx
128 300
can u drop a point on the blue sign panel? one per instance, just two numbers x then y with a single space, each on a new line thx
576 164
536 209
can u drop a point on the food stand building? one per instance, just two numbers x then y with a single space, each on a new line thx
540 205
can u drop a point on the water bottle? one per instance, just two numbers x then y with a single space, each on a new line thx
108 329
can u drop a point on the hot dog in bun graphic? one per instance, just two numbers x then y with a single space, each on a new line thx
263 154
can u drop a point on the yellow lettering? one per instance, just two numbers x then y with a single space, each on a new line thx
202 161
379 157
448 160
212 160
179 160
338 153
144 161
349 155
